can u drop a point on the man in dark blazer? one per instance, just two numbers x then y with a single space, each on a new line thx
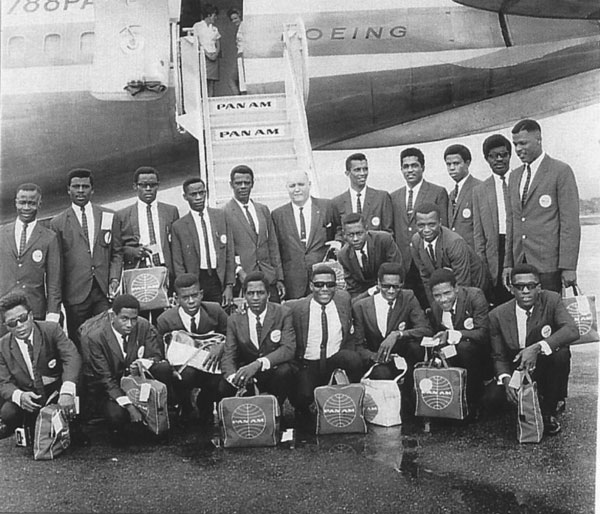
460 206
260 344
390 322
375 205
208 254
254 237
196 316
363 253
319 352
303 226
434 247
30 257
490 210
532 332
91 260
36 359
544 227
459 316
404 202
119 340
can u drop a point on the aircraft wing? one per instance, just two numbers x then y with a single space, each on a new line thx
568 9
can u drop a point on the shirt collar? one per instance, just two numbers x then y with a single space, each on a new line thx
185 316
305 207
77 208
498 179
536 164
261 316
453 308
462 181
520 309
144 205
415 189
242 205
30 225
118 335
381 301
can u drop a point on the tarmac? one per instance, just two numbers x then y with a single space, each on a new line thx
455 468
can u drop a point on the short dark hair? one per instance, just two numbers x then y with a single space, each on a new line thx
29 186
185 280
355 157
13 299
390 268
125 301
193 180
322 269
209 9
232 11
461 150
442 276
80 173
496 141
353 217
256 276
242 169
524 269
413 152
428 208
145 170
526 125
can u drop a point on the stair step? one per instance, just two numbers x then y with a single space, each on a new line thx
252 147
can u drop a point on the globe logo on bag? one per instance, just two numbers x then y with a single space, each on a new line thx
370 409
583 320
436 392
145 287
339 410
248 420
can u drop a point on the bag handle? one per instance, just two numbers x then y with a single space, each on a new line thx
574 288
402 373
51 398
339 377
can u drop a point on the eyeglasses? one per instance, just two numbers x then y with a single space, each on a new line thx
530 286
14 322
321 285
149 185
390 286
501 155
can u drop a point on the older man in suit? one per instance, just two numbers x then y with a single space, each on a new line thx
404 202
324 342
375 205
363 253
532 332
254 237
460 208
30 257
260 343
36 359
196 316
544 227
490 210
91 259
434 247
303 228
203 245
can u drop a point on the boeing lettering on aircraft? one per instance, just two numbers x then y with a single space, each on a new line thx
346 33
32 6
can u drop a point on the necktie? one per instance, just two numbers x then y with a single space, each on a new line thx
454 197
324 339
526 186
389 315
364 261
23 240
302 226
124 344
193 326
431 252
155 257
250 220
38 384
504 188
358 205
409 205
453 317
258 330
84 224
206 246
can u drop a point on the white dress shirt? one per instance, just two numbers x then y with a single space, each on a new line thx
307 213
447 317
461 183
19 231
381 312
353 197
415 190
500 201
91 225
314 336
124 400
211 243
142 209
534 167
207 35
265 363
186 319
252 211
522 330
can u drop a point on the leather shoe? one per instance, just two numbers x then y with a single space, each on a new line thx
551 425
561 406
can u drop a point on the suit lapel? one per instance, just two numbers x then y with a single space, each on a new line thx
290 221
72 219
35 235
115 345
493 204
17 355
194 234
207 322
315 221
514 183
539 176
459 314
37 344
367 200
216 229
243 220
267 325
97 212
511 323
305 318
9 232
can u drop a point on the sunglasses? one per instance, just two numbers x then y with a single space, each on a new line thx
529 286
14 322
390 286
145 185
321 285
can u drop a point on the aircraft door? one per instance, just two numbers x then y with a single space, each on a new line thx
132 56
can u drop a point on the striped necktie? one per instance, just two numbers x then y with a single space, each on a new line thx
23 241
526 186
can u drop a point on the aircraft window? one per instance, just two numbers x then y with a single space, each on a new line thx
16 47
52 46
86 44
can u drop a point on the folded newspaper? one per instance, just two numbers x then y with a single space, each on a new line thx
185 349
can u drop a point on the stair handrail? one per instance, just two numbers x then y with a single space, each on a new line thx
208 164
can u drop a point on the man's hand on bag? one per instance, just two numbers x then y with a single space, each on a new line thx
568 277
227 298
113 288
246 373
527 357
66 402
213 358
28 401
506 278
386 347
511 392
134 413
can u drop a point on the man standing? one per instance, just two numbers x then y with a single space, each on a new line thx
36 359
203 245
323 327
544 227
532 332
254 238
30 257
91 261
363 253
303 226
490 210
460 209
373 204
196 317
434 247
260 344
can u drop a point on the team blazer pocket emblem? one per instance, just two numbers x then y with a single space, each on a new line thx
141 350
224 239
466 213
276 336
546 331
469 324
52 364
37 256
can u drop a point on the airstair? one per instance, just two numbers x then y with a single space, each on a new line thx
267 132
